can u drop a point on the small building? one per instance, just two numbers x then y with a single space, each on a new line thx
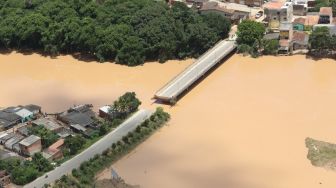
25 114
30 145
311 20
325 15
299 24
6 136
81 115
23 131
35 109
4 178
300 40
272 36
226 11
9 144
300 7
250 3
49 124
8 119
277 12
104 111
54 151
286 35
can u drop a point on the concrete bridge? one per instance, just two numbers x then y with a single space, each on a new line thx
200 67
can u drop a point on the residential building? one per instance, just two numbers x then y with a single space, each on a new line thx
4 178
234 14
54 151
25 114
9 144
8 119
35 109
325 15
23 131
104 111
30 145
311 20
251 3
81 115
277 12
49 124
6 136
300 7
286 35
300 40
299 24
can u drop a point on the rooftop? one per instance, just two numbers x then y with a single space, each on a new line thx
47 123
274 4
9 116
312 20
24 113
300 21
325 11
285 26
32 107
30 140
214 6
82 119
105 109
55 146
300 37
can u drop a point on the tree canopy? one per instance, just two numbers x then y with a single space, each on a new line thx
249 32
126 31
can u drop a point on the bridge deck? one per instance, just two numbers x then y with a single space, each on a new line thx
192 73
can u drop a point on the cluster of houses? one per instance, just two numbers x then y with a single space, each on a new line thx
17 141
290 22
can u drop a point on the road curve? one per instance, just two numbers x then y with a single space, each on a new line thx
97 148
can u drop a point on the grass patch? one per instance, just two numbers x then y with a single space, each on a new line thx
321 154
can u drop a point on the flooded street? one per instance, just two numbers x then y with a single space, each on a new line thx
244 126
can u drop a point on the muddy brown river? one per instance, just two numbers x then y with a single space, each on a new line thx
242 127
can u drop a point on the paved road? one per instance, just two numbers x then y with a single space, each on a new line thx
185 79
97 148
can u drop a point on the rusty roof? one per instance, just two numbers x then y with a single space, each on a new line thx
214 6
312 20
300 21
274 4
300 36
325 11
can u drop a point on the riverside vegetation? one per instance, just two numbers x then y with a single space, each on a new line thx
23 172
85 175
125 31
321 154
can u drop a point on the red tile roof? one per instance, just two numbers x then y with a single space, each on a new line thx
300 21
326 11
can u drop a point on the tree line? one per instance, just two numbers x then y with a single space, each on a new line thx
126 31
321 42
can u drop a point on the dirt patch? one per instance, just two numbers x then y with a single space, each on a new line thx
321 154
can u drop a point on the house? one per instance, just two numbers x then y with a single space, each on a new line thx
54 151
23 131
4 178
9 144
300 40
272 36
227 11
8 119
49 124
250 3
286 35
30 145
104 111
81 115
325 15
300 7
277 12
311 20
33 108
6 136
299 24
25 114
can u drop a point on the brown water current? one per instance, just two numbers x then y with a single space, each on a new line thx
243 126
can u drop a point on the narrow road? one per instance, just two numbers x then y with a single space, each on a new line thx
97 148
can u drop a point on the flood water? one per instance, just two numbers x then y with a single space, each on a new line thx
244 126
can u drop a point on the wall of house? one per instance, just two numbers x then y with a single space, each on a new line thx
298 27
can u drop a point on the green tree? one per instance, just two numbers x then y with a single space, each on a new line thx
41 163
270 47
47 137
249 32
74 143
320 41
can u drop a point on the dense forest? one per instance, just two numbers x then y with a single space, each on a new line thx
125 31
